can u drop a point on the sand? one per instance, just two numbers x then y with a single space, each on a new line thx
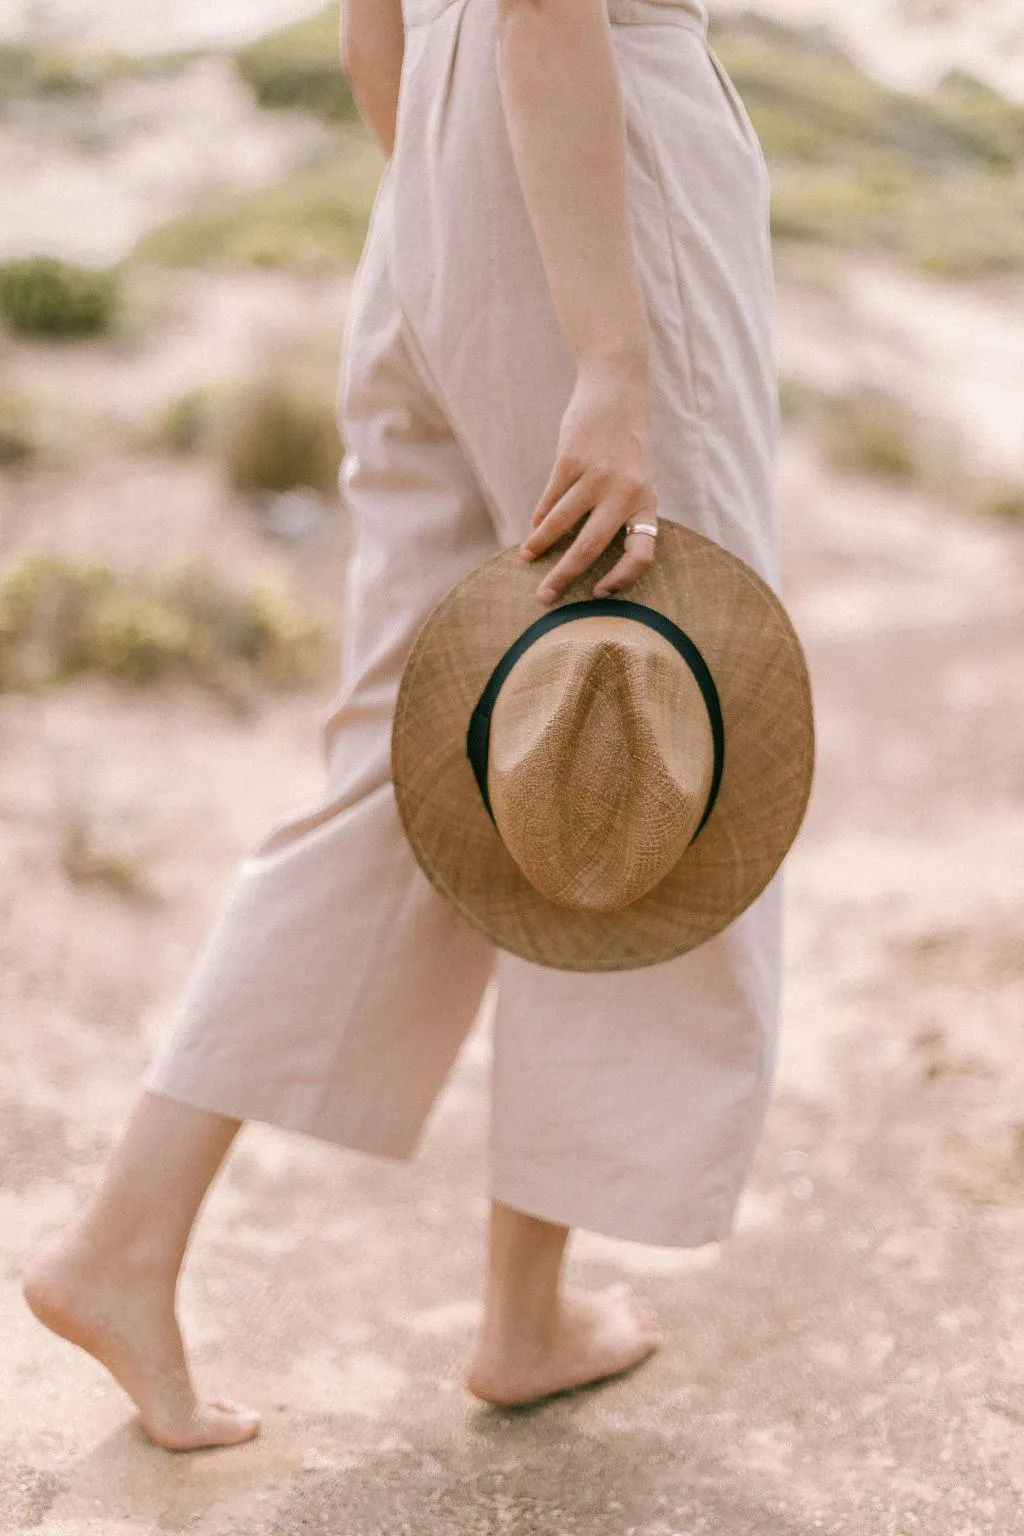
851 1361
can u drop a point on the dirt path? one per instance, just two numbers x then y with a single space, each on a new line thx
852 1361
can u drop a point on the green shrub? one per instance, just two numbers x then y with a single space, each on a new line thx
279 434
299 66
40 296
61 617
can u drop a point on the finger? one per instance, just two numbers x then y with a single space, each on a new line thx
637 558
592 540
565 472
573 505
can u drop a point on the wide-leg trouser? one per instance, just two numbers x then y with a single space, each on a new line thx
335 986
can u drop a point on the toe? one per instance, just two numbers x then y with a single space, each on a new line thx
228 1423
229 1405
647 1321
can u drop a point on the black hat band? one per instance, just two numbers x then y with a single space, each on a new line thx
478 736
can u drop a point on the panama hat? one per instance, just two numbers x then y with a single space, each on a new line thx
604 783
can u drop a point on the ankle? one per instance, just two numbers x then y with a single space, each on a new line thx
145 1256
523 1325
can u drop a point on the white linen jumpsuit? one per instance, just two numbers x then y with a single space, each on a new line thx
335 985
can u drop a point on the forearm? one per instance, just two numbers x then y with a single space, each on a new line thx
563 107
372 42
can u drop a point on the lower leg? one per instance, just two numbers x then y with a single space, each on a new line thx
539 1337
108 1281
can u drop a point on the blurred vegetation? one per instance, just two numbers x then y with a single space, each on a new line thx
30 72
299 66
188 423
61 617
40 296
26 72
995 496
936 179
20 442
868 431
314 218
15 71
279 434
89 856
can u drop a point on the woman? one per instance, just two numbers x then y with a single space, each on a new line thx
560 320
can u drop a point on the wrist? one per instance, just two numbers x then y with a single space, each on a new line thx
626 366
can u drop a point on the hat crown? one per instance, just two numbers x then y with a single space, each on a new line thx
601 758
738 646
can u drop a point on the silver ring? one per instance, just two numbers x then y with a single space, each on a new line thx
651 528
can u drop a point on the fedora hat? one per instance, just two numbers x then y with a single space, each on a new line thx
604 783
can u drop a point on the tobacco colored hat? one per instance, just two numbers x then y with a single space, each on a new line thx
608 782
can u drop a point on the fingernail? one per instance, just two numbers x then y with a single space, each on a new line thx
526 551
546 594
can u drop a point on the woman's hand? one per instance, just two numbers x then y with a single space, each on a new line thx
603 473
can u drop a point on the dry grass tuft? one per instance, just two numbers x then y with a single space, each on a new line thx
89 857
867 431
280 434
188 423
60 618
20 442
995 496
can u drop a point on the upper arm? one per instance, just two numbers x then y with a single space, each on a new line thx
371 35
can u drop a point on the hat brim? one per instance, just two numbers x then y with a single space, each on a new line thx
745 636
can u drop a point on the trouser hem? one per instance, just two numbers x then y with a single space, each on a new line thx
379 1140
555 1198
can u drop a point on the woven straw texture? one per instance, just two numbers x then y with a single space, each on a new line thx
756 660
601 758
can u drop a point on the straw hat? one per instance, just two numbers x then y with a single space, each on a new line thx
607 782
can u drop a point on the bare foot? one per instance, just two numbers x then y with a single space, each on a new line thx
595 1336
124 1315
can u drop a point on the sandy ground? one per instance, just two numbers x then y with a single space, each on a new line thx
851 1361
953 352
